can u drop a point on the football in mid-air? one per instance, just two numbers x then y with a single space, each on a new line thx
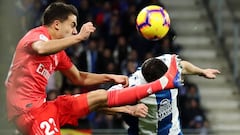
153 22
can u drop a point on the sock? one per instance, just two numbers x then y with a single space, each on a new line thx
131 95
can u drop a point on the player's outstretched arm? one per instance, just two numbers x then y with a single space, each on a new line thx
87 79
55 45
191 69
138 110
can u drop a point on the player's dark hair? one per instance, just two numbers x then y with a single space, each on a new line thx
153 69
58 11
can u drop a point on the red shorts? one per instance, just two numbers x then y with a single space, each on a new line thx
49 117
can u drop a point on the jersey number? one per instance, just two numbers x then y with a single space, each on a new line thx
47 125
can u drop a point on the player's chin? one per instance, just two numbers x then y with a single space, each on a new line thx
67 34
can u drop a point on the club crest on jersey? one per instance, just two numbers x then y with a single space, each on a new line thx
43 37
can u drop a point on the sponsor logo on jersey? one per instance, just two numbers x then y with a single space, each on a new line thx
149 90
165 109
43 71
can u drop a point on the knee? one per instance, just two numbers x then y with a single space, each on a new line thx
98 97
100 94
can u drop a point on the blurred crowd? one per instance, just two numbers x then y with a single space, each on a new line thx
116 47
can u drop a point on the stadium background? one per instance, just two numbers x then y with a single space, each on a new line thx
212 24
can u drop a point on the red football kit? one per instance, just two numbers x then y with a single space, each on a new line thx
28 77
26 83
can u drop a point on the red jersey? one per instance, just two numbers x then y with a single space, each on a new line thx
29 73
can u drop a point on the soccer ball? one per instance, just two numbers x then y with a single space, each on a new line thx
153 22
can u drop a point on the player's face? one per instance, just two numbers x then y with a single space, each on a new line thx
68 27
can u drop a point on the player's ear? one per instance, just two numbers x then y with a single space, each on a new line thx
56 24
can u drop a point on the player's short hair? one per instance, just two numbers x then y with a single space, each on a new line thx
58 11
153 69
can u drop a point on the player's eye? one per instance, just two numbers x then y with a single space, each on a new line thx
74 25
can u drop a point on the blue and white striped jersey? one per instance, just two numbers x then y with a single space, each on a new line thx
163 114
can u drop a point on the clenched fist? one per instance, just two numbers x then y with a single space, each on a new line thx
86 30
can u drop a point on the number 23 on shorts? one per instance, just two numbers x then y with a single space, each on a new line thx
49 127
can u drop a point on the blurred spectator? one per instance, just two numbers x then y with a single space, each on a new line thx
52 94
25 12
102 121
67 91
129 65
193 92
193 116
87 61
76 90
111 68
54 81
148 55
105 60
101 45
121 50
129 20
84 10
130 68
51 83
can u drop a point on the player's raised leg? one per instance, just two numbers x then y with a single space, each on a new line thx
94 100
132 94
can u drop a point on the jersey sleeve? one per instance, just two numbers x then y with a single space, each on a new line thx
33 37
116 87
166 58
134 80
137 78
64 61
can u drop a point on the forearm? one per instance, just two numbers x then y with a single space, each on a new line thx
55 45
87 78
190 69
115 110
138 110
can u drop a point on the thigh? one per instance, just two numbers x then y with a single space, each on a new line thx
71 108
41 121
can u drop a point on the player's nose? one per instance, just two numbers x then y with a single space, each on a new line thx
74 31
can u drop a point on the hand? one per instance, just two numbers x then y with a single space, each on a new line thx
210 73
120 79
138 110
86 30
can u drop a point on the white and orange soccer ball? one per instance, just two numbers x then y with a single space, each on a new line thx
153 22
